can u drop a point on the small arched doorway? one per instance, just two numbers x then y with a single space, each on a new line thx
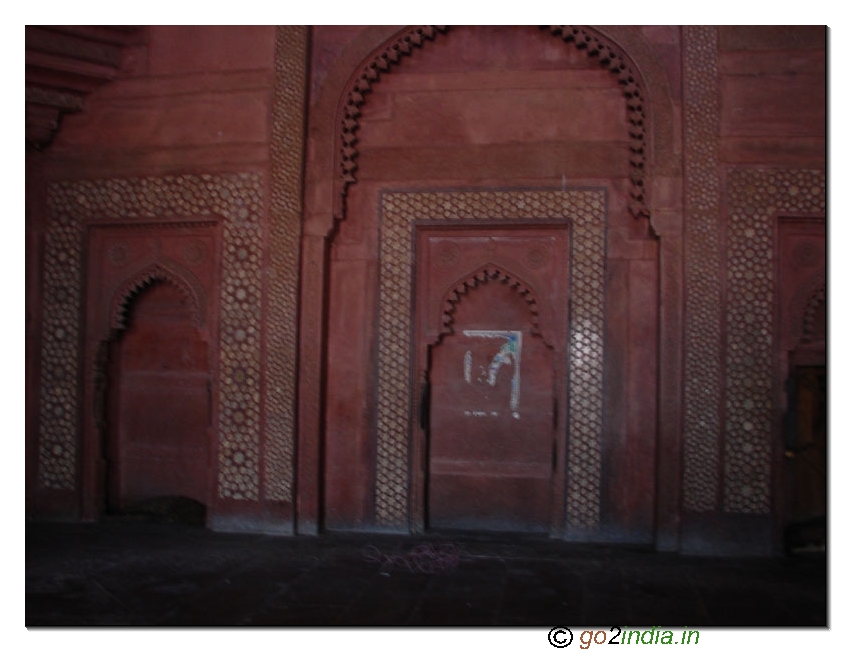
157 442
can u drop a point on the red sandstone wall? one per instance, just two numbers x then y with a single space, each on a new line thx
772 85
765 148
189 100
193 97
501 108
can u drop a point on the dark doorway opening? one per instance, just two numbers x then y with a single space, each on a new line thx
806 460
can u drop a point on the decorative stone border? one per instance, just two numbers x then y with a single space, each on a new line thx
238 200
586 210
285 208
756 198
703 231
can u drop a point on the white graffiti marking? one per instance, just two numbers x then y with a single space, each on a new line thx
508 355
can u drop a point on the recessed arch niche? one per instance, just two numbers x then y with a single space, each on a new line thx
359 172
158 424
151 404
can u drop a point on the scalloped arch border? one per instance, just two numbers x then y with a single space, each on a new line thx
585 39
483 275
181 278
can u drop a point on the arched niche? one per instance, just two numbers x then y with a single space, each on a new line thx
489 419
168 353
158 407
332 171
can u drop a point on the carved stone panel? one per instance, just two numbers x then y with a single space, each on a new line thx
234 198
585 210
150 303
491 315
703 235
756 199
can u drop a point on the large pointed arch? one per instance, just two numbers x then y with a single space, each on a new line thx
594 43
331 171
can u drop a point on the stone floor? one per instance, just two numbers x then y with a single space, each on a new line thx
156 574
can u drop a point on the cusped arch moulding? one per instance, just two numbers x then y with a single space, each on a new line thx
481 276
182 279
584 39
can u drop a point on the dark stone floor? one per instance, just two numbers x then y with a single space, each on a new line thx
156 574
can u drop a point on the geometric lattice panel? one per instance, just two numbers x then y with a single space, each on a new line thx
703 257
235 198
586 211
756 197
287 145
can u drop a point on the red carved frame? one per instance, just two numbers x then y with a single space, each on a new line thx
332 126
106 319
423 345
